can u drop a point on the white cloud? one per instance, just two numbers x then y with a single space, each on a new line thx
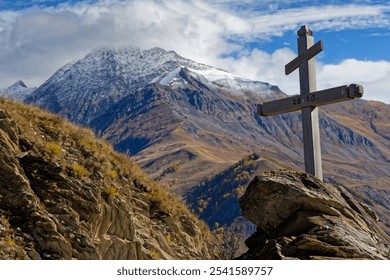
260 65
35 42
373 75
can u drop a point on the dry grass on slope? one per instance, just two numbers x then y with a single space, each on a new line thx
88 157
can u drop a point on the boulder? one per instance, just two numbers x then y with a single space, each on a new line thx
299 217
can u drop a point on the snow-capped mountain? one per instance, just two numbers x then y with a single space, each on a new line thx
17 91
84 89
184 121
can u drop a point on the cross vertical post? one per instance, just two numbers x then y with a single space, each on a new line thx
309 99
310 121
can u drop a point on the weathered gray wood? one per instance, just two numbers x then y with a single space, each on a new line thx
305 56
311 141
309 99
314 99
310 121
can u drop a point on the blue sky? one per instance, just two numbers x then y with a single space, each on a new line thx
24 4
362 44
250 38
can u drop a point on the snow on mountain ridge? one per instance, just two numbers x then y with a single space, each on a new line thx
167 79
237 84
218 77
137 62
214 74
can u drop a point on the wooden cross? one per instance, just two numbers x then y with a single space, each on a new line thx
309 99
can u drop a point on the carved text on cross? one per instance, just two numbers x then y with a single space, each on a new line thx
309 99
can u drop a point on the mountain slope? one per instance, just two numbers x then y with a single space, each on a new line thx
138 99
66 195
213 196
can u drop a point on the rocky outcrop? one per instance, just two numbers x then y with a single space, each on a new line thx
300 217
66 195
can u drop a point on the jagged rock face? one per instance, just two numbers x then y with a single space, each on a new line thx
50 210
300 217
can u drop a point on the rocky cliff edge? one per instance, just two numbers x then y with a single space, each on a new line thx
299 217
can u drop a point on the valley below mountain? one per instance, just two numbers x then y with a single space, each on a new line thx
195 130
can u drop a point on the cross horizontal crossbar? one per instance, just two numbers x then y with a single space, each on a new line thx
307 55
314 99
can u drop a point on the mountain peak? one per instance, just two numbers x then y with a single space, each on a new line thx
17 91
18 83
